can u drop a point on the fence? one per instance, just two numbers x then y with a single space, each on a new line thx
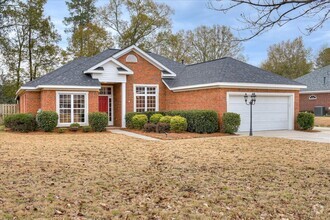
7 109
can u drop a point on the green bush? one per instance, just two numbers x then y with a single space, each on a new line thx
163 127
75 125
129 116
98 121
199 121
87 129
178 124
61 130
138 121
155 118
231 122
149 127
305 120
165 119
47 120
21 122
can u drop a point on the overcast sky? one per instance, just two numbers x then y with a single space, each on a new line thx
192 13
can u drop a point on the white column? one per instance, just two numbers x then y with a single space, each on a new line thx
123 105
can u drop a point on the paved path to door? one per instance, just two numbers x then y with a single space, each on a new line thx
322 136
131 134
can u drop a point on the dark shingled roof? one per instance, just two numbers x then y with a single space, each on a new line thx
225 70
315 80
221 70
72 73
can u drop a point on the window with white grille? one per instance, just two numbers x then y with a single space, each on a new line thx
146 98
72 107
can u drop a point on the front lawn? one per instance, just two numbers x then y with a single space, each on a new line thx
104 175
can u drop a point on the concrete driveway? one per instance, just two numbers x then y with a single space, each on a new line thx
322 136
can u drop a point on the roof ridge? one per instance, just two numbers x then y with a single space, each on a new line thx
209 61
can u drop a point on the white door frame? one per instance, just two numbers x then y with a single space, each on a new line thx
110 96
273 94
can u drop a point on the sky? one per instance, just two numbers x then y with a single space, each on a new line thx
189 14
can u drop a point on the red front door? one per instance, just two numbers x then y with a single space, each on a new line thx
103 104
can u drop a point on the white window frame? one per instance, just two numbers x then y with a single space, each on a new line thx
72 112
145 95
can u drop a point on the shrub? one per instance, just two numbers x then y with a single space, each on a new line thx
21 122
138 121
178 124
305 120
149 127
74 127
231 122
47 120
200 121
162 127
165 119
61 130
129 116
98 121
87 129
155 118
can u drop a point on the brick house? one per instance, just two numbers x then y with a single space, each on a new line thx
132 80
317 92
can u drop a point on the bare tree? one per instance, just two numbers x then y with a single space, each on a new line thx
263 15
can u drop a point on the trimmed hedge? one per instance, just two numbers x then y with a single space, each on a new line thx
165 119
149 127
163 127
305 120
98 121
231 122
155 118
178 124
21 122
199 121
47 120
87 129
138 121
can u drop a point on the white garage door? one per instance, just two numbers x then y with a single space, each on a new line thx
271 112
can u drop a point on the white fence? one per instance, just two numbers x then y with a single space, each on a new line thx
7 109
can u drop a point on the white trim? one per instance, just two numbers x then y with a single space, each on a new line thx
110 123
145 56
314 92
57 87
291 103
123 105
92 69
236 85
58 93
146 85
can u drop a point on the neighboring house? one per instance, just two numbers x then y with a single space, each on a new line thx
132 80
317 92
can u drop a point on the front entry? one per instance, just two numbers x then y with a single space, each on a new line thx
106 102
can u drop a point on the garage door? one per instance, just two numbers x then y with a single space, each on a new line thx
270 112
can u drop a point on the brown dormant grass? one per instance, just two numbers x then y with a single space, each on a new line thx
108 176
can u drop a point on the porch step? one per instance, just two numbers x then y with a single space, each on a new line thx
112 128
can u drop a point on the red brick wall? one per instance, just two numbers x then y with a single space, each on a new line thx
117 104
212 99
323 99
29 102
144 73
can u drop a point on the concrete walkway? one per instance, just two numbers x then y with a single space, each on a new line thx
131 134
322 136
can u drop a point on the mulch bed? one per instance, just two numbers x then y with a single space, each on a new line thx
176 136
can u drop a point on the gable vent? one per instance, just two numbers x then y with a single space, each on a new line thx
131 58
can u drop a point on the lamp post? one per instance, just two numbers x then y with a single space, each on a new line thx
251 102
